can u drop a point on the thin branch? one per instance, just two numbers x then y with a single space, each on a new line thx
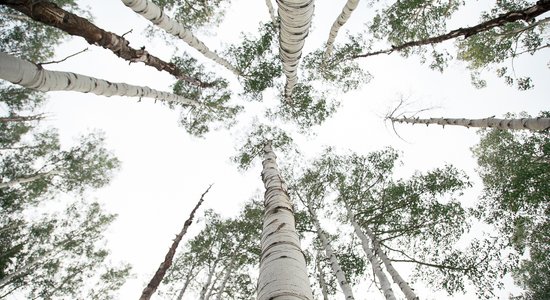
64 59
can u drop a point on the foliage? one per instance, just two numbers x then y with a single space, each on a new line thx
214 100
195 14
515 200
257 60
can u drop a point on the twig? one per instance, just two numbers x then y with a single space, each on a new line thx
129 31
64 59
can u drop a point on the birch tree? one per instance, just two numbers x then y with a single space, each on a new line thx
535 124
343 17
282 266
153 13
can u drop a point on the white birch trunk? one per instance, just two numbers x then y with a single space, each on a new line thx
153 13
283 274
350 6
22 271
321 277
23 180
206 286
271 11
31 76
225 278
185 285
376 268
335 266
295 20
403 285
535 124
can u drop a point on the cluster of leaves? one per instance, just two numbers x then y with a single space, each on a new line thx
339 69
257 61
214 98
195 14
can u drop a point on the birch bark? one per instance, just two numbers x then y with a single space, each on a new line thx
321 278
153 13
211 271
283 273
350 6
403 285
167 262
534 124
376 268
271 11
51 14
29 75
23 180
185 284
295 20
225 278
335 266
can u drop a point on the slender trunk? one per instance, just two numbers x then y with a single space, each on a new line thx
23 180
535 124
295 20
376 268
271 11
321 277
283 270
403 285
16 118
50 14
185 284
208 280
19 272
350 6
29 75
335 266
527 14
228 273
213 285
153 13
163 267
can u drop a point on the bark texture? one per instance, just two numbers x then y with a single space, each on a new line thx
526 14
51 14
350 6
376 268
153 13
534 124
295 20
283 273
334 264
163 267
403 285
29 75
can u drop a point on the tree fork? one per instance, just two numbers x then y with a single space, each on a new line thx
163 267
50 14
526 14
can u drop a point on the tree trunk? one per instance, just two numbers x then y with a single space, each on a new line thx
23 180
403 285
29 75
335 266
350 6
376 268
51 14
321 277
153 13
283 270
295 20
208 280
161 271
527 14
185 284
535 124
228 273
16 118
271 11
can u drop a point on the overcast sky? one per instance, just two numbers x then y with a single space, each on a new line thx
165 170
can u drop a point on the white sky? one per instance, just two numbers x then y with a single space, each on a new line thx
165 170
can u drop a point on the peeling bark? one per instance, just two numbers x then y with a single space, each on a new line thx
397 279
534 124
376 268
295 20
161 271
283 273
526 14
153 13
51 14
350 6
29 75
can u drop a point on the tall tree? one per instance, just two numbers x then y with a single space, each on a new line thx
535 124
343 17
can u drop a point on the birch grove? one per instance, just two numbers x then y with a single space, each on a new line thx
153 13
30 75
